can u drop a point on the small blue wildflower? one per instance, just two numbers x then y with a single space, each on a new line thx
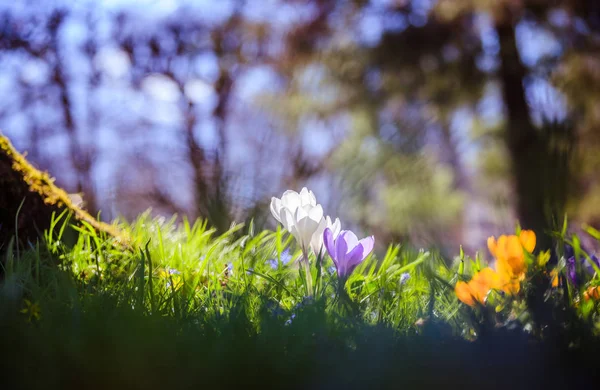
285 258
273 263
331 270
274 308
305 302
289 322
404 278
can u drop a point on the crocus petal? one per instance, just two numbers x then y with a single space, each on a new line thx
354 258
480 285
307 197
301 228
527 238
316 242
504 268
345 249
464 294
510 257
301 212
572 271
328 221
588 264
315 213
514 247
330 245
341 246
489 278
294 232
291 200
276 208
358 254
513 286
516 257
569 251
311 227
306 227
336 226
498 246
308 219
287 218
492 245
341 249
367 243
592 292
351 240
554 276
501 245
479 290
317 239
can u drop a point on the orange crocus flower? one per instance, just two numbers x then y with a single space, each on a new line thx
592 293
478 287
510 268
554 275
464 294
510 258
528 239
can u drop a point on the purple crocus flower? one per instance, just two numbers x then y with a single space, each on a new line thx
572 271
588 267
571 264
346 250
569 251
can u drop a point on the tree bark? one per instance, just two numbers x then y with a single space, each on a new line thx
28 198
526 147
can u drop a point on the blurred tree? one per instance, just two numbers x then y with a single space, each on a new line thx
157 100
412 76
420 117
36 37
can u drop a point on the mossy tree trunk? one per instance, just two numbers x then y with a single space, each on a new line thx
28 199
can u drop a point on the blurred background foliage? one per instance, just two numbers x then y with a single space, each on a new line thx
435 121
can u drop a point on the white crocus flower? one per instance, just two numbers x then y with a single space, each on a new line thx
291 200
316 242
300 215
304 223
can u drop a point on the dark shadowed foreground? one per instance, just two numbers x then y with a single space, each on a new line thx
81 348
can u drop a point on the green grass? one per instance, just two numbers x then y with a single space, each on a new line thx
189 309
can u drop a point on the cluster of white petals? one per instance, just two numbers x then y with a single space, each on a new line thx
302 216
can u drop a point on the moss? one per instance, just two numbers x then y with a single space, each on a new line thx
29 197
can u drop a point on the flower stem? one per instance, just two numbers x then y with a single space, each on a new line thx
307 273
345 301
